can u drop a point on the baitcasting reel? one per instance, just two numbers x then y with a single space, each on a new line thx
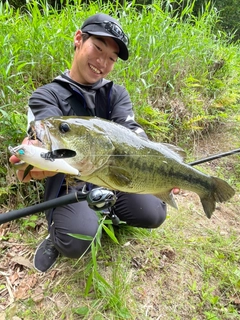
100 199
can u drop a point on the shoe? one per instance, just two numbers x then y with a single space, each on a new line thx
45 255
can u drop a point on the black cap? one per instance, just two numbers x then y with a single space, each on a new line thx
103 25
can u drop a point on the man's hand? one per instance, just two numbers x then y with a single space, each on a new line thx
175 191
35 173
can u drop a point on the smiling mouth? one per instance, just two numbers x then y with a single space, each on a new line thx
95 70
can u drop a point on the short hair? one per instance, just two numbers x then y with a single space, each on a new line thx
85 36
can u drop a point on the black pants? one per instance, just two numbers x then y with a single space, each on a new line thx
145 211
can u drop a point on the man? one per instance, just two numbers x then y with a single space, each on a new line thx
83 90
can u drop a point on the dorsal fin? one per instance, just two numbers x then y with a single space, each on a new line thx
177 150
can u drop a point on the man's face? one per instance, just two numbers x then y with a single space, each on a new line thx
93 59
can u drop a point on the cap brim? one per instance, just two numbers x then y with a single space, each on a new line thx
123 50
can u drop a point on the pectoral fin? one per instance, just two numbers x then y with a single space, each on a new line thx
168 198
120 177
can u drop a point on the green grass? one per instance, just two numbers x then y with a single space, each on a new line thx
189 267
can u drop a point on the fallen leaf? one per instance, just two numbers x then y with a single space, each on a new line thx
24 289
14 277
38 295
22 261
22 292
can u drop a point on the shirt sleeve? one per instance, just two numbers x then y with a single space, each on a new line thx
45 103
122 110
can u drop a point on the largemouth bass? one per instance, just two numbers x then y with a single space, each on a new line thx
112 156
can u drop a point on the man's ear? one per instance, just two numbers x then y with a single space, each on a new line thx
77 39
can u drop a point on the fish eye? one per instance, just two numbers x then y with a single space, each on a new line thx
64 127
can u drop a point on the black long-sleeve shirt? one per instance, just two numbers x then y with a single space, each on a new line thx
103 99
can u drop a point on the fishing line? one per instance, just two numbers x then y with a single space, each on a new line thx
67 153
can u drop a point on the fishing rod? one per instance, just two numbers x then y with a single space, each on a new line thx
98 198
216 156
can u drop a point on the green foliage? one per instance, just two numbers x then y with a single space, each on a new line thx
177 66
103 288
29 222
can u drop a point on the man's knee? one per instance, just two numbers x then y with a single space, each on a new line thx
155 220
140 210
69 239
152 218
77 219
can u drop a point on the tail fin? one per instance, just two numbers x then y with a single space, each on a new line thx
221 192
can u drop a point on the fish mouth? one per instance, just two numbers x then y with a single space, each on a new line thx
40 130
